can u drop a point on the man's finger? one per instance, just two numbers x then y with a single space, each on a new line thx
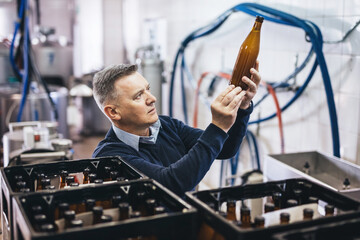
235 103
221 96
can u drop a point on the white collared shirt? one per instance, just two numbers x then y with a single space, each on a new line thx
133 140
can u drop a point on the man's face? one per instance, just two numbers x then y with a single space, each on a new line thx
135 103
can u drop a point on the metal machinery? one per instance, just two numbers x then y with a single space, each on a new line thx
152 68
329 171
83 104
34 142
54 60
37 107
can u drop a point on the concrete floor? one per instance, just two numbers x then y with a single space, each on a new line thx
84 147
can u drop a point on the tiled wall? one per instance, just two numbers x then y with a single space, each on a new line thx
306 122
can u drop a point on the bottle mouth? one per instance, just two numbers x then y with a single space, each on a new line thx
259 19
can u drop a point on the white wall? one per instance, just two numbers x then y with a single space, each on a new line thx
306 123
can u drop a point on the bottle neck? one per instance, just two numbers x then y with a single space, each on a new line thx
257 26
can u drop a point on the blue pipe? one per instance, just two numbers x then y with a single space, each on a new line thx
12 46
282 18
256 149
25 76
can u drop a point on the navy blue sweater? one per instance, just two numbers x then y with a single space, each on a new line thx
181 155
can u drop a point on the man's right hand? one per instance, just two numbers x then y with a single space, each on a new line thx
225 107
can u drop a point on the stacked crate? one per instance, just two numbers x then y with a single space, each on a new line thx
239 212
152 212
26 179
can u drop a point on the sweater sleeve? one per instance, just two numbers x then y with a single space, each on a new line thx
184 174
236 134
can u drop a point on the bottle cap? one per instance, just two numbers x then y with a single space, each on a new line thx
98 181
105 218
40 218
48 227
98 210
36 209
291 203
159 210
63 206
25 190
50 187
259 19
69 214
123 206
135 214
76 223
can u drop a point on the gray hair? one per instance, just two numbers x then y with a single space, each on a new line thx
103 82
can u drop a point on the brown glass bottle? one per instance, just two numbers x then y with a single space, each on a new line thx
284 218
329 210
231 210
298 195
20 185
115 200
107 170
247 55
86 179
97 213
69 180
39 220
89 204
139 203
114 175
245 217
123 211
269 207
40 177
69 215
60 210
277 199
259 222
150 206
92 177
63 175
308 213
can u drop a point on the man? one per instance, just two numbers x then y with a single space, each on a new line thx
163 148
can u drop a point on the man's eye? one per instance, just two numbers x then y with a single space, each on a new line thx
138 96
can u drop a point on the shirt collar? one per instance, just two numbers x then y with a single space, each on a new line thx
133 140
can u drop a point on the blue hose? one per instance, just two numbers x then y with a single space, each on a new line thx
12 46
286 19
25 76
256 149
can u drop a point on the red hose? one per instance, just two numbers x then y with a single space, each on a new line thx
278 114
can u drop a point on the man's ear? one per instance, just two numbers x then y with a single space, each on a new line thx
112 112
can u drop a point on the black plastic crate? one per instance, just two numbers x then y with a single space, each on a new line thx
210 204
178 220
30 172
344 230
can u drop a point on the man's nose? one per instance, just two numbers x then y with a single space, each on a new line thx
151 98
